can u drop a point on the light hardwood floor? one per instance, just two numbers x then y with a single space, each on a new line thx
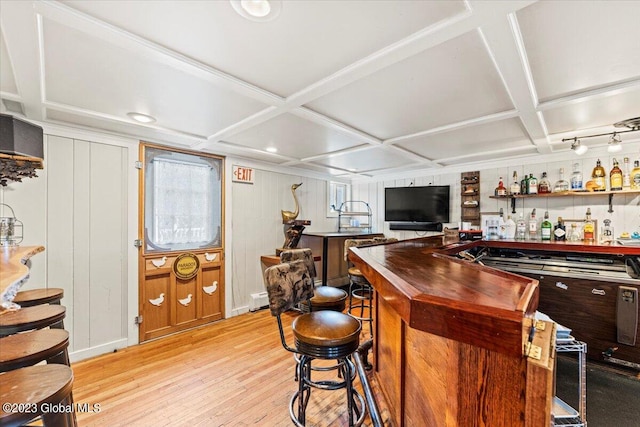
231 373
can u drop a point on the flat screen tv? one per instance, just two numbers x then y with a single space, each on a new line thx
417 204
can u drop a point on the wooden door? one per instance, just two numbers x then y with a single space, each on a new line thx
181 279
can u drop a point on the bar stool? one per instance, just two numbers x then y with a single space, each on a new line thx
28 318
39 296
30 348
326 334
41 390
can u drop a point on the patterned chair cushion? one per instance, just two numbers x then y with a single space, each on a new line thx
300 254
287 284
350 243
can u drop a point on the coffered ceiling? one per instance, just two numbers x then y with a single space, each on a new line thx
346 88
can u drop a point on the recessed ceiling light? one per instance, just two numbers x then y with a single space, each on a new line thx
142 118
257 10
272 149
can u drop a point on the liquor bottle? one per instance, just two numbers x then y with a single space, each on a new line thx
500 190
510 228
576 177
626 175
635 176
532 185
521 228
606 236
574 233
545 227
524 183
502 229
560 232
588 228
562 184
533 226
598 175
615 177
544 186
515 185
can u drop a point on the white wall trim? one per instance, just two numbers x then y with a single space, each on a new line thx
110 347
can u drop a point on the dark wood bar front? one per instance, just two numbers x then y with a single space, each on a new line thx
450 336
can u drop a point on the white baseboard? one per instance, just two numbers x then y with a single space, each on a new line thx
86 353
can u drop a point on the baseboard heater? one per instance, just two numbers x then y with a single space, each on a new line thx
258 301
416 226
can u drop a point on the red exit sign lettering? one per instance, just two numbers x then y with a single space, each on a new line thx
242 174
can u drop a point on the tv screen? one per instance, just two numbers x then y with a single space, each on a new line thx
417 204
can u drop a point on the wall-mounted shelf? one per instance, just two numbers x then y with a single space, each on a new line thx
470 197
513 197
355 215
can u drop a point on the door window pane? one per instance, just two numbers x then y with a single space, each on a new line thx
183 201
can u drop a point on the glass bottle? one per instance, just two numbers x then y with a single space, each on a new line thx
560 232
544 186
545 227
574 233
588 228
515 185
615 177
576 177
533 226
524 183
510 228
562 184
521 228
532 184
598 175
626 175
501 190
635 176
606 236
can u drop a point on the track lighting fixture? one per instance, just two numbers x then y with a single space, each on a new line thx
577 147
615 143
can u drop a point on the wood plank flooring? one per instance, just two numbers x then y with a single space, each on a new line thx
231 373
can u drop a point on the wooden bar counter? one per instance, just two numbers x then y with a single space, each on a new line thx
13 270
450 337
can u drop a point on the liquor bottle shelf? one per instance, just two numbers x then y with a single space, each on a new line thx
571 193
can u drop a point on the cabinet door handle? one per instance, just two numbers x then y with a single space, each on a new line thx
598 291
561 286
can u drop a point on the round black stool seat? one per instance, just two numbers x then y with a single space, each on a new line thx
326 298
28 318
39 296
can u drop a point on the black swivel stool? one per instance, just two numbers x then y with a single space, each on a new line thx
325 334
29 318
38 297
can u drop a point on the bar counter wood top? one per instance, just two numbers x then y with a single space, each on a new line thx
13 270
450 339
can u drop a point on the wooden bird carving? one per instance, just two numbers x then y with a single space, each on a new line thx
288 215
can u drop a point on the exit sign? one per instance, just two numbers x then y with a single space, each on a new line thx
242 174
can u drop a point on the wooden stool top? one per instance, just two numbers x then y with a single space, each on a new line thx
326 328
37 317
38 296
29 348
34 386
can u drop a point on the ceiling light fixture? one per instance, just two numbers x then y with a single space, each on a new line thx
615 143
577 147
257 10
142 118
272 149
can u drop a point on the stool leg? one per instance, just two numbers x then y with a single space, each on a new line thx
62 358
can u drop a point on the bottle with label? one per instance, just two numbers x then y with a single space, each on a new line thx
635 176
574 233
606 235
500 190
588 228
545 227
576 177
544 186
502 229
562 184
626 175
598 175
515 185
532 184
533 226
521 228
524 183
510 228
560 232
615 177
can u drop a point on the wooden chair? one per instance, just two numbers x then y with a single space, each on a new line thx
39 296
30 348
28 318
325 334
325 297
38 391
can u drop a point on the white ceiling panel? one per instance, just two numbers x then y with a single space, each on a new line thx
7 79
365 160
429 90
489 156
94 75
593 112
308 41
295 137
504 134
574 45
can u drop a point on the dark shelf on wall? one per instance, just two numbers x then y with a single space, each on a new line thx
470 197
